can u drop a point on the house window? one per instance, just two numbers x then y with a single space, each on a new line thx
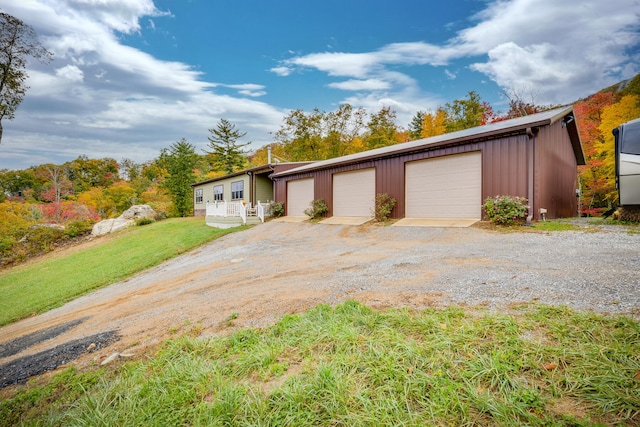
199 195
237 190
218 192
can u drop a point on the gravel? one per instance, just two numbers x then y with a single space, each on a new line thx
277 268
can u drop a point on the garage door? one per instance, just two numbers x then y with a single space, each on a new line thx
444 187
299 196
354 193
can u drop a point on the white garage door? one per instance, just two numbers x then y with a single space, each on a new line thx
354 193
299 196
445 187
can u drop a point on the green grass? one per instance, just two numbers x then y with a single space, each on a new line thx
41 285
554 225
353 366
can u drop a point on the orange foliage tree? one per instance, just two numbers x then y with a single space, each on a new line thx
593 179
628 108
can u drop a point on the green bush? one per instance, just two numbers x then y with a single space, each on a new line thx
317 208
276 209
383 207
144 221
506 210
78 228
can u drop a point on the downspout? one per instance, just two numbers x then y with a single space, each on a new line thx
530 172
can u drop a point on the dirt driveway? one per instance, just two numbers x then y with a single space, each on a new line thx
258 275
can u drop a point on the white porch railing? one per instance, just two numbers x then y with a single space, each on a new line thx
237 209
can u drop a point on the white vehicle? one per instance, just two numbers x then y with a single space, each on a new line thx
628 162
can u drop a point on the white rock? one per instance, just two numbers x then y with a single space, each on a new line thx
110 359
138 211
110 225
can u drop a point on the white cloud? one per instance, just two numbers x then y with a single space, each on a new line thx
565 50
71 73
103 98
281 71
369 84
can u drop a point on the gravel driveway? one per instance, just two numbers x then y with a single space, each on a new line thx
258 275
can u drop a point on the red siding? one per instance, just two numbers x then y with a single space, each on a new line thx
504 171
556 173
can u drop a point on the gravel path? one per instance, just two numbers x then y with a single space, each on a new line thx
263 273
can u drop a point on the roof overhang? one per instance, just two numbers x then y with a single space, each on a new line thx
515 126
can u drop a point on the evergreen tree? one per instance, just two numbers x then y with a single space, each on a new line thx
226 153
415 127
179 161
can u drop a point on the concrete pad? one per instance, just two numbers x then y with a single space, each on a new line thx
291 219
435 222
346 220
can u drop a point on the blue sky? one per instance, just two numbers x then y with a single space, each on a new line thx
131 77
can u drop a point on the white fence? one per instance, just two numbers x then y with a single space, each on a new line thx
237 209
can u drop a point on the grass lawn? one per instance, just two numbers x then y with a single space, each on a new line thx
353 366
43 284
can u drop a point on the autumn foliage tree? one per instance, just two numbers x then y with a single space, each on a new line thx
628 108
594 180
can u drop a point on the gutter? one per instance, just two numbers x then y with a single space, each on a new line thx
531 133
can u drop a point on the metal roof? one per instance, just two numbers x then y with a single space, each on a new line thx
255 170
491 130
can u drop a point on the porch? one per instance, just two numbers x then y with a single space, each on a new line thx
223 214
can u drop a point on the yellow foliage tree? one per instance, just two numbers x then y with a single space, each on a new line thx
628 108
434 124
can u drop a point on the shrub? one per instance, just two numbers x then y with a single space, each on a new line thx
505 210
144 221
383 207
78 227
276 209
317 208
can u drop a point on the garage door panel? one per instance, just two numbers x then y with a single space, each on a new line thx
300 194
354 193
444 187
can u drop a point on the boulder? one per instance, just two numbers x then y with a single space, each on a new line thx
139 211
110 225
125 220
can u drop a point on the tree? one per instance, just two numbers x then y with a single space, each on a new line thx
301 136
593 177
519 106
227 154
433 123
59 188
415 127
465 113
381 129
17 42
628 108
179 161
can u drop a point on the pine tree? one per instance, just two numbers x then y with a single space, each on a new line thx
179 161
226 153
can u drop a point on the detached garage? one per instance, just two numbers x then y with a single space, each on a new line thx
450 175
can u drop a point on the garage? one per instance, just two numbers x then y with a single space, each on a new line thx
299 196
354 193
444 187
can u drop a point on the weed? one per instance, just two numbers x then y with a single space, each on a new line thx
351 365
